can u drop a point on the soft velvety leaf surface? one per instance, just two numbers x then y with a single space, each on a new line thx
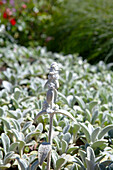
5 142
86 131
104 131
59 163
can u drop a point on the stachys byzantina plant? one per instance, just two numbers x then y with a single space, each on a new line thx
49 107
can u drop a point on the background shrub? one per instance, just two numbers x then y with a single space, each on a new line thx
26 20
85 27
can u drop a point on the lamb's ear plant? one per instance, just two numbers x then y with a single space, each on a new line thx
49 107
95 136
90 161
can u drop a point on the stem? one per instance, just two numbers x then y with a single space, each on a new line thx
50 141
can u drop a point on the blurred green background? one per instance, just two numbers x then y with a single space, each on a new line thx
66 26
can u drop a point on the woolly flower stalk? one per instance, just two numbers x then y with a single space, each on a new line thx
49 107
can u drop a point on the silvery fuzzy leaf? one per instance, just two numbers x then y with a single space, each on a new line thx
86 131
32 156
26 126
94 116
59 163
7 86
66 128
16 114
25 111
17 93
64 146
21 147
43 151
72 148
30 135
88 115
6 123
90 164
54 157
40 127
12 114
15 103
55 121
75 129
104 131
67 137
8 157
68 158
66 113
13 146
32 128
62 123
94 134
70 100
80 102
34 165
1 154
40 114
15 124
99 158
78 109
103 94
1 112
5 142
63 97
33 142
99 143
58 128
92 104
22 164
83 155
74 166
90 154
79 162
16 134
69 76
57 142
90 128
61 136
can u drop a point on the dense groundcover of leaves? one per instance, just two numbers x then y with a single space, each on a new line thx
85 91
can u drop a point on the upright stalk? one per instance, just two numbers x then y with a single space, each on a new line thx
50 141
49 107
51 95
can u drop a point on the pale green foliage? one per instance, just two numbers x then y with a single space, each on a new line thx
85 93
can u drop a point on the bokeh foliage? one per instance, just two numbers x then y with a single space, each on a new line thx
84 27
26 20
